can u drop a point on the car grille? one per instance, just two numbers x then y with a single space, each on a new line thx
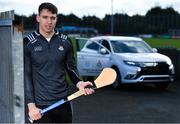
162 68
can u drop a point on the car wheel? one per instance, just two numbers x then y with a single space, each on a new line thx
117 82
162 86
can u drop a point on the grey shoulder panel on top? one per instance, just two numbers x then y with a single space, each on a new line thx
32 37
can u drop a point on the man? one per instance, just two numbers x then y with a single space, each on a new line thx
48 54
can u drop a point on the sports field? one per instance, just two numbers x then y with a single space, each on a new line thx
163 43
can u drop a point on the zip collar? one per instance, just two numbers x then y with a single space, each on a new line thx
38 33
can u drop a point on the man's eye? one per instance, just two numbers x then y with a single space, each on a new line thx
53 18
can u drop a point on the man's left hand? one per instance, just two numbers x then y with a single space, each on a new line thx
82 86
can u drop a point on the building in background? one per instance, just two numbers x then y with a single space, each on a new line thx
78 31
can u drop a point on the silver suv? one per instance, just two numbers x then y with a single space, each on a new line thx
132 58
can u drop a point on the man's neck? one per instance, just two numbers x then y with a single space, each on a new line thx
46 34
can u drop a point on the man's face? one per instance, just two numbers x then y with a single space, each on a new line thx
47 21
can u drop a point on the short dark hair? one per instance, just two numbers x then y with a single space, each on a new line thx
49 6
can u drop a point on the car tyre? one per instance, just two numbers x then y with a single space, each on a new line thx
117 82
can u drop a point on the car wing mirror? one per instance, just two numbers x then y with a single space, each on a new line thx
103 51
155 50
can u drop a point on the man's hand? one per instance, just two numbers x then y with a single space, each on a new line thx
82 86
34 112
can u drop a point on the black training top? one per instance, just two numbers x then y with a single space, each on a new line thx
45 66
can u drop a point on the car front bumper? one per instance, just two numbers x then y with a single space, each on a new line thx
150 79
160 73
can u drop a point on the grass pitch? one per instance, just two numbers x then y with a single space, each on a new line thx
163 43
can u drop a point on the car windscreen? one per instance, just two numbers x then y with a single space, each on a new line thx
130 46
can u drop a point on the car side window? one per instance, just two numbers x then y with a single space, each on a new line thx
93 46
106 44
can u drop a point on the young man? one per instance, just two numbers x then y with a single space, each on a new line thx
48 54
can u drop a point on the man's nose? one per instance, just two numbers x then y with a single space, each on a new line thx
49 20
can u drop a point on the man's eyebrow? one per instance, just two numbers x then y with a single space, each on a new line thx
44 16
47 16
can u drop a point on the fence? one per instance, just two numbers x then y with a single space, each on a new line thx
11 71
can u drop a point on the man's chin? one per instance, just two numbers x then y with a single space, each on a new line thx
49 31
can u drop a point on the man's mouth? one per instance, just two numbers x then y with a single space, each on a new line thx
48 27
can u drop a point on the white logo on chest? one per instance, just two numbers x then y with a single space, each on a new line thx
61 48
38 48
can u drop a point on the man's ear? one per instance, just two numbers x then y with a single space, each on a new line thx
38 18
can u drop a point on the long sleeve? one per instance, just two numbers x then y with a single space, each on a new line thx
28 82
70 64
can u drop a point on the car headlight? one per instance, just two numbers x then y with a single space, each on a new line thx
132 63
141 64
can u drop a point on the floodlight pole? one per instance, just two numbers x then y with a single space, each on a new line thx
112 19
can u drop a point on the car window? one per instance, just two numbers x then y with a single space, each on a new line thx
130 47
93 46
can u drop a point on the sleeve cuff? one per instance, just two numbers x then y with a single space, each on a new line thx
79 83
30 104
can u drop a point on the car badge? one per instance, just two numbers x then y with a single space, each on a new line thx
99 64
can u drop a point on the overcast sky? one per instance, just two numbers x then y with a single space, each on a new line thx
89 7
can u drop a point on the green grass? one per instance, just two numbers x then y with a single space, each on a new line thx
75 55
163 43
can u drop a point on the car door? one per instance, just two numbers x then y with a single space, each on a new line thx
92 59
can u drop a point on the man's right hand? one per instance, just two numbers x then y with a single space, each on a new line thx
34 112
